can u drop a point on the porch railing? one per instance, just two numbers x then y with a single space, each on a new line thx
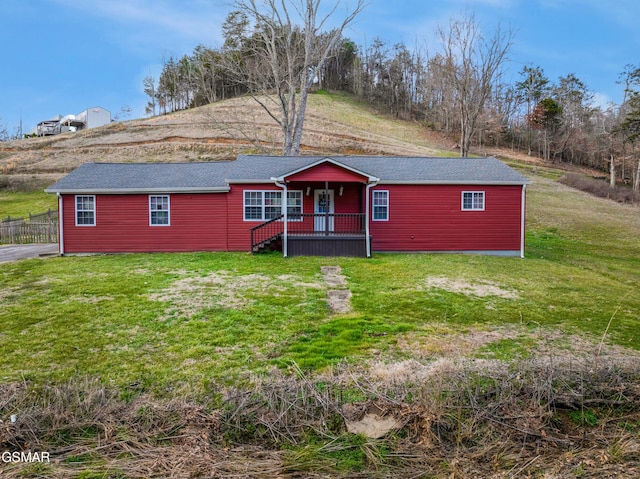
317 225
326 224
266 232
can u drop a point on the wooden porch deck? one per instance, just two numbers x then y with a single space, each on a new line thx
313 235
327 245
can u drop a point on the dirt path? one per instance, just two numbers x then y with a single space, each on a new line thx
339 295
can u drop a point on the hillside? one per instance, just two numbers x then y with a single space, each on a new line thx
335 124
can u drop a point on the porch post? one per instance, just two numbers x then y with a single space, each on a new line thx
285 212
326 208
366 219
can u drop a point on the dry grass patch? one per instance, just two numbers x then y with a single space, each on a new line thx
559 347
89 299
412 370
190 295
333 276
481 288
451 344
552 347
339 300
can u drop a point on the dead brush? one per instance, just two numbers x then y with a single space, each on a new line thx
469 420
8 167
600 188
83 412
282 409
515 419
61 415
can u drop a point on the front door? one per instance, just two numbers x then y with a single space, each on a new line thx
323 204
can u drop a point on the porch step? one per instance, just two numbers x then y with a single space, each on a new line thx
266 245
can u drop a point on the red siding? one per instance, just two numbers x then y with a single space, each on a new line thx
421 218
352 199
430 218
327 172
239 231
198 223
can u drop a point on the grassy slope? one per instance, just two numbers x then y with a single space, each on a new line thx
20 204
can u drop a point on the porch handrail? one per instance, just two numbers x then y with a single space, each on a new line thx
303 224
333 224
267 231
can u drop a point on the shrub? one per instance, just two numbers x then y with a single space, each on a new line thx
600 188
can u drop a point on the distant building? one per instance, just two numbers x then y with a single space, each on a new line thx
89 118
92 118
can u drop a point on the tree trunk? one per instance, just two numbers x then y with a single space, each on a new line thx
299 121
612 171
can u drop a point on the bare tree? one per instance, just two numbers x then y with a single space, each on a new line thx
4 135
630 111
286 58
471 65
149 85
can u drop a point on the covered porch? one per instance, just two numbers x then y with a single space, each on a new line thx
326 213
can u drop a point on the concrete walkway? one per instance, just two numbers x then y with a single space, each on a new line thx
22 251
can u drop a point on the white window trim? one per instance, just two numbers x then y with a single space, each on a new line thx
472 193
373 205
168 210
263 206
93 210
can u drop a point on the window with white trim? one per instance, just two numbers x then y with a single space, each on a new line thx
473 200
85 210
380 205
265 205
272 204
159 210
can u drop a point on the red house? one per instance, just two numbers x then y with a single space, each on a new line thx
323 206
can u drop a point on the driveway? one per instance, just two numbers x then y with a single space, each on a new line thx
22 251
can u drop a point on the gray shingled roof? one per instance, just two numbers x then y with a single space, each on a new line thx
390 169
216 176
144 178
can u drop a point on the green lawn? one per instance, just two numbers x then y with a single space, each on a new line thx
20 204
165 322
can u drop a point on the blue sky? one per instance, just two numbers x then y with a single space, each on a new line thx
63 56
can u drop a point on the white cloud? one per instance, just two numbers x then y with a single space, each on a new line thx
162 23
601 100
